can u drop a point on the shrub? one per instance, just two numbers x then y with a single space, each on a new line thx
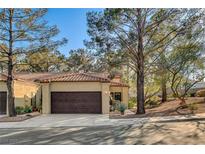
192 94
132 102
200 93
121 107
152 102
27 109
19 110
114 105
192 106
39 108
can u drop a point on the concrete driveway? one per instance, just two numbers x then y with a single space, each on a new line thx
67 120
2 115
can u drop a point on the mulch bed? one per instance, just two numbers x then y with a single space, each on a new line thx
171 108
19 118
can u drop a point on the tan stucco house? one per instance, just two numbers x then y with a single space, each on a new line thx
65 92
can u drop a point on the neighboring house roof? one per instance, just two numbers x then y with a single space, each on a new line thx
33 76
74 77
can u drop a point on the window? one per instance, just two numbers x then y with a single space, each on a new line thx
116 96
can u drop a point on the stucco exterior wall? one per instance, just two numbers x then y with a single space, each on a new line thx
105 88
47 88
124 93
46 100
75 86
3 86
24 91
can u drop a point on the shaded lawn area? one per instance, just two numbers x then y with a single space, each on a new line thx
169 108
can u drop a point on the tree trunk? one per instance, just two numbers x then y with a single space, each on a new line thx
140 92
1 68
10 84
182 101
140 67
164 90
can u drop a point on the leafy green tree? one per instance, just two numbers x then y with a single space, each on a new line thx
185 62
158 58
22 31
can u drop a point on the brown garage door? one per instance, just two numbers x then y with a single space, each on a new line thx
3 100
76 102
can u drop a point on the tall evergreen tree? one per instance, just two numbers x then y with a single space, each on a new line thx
42 61
80 60
22 31
132 30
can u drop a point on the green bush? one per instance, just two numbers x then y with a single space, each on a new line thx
23 109
132 102
121 107
152 102
27 109
200 93
192 106
116 104
19 110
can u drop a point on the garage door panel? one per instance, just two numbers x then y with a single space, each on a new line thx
76 102
3 100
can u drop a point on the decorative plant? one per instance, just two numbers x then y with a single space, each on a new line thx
19 110
121 107
27 109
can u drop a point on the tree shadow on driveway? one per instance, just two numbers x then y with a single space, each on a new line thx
149 133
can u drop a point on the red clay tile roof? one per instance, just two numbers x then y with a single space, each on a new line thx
26 76
118 84
67 77
75 77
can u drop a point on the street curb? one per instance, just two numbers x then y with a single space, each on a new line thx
178 120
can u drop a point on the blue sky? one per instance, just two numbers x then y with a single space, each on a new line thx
72 25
